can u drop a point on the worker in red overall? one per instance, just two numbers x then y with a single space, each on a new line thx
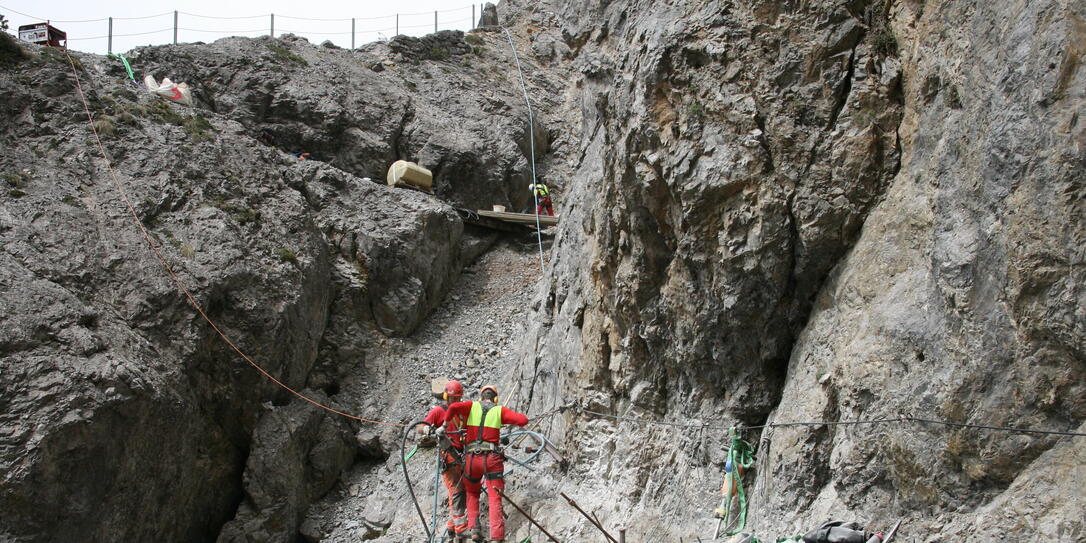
484 458
543 199
451 450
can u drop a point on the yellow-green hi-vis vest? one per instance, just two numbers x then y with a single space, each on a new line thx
493 418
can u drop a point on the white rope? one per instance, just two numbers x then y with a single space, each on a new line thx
531 139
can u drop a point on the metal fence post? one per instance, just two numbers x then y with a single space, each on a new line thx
175 27
352 32
273 25
109 42
435 20
473 16
397 24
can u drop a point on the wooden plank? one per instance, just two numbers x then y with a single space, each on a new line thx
520 218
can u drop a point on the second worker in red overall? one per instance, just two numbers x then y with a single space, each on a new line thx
483 456
451 451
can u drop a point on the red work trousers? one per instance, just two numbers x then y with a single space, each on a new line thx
453 477
476 466
545 205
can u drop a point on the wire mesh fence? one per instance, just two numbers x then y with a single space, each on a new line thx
119 34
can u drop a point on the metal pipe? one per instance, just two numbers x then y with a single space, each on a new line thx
435 20
473 21
352 32
591 520
397 24
109 42
175 27
526 515
273 25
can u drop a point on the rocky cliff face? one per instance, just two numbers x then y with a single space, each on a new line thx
789 211
771 212
123 414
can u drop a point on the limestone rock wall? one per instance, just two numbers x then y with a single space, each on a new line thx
817 211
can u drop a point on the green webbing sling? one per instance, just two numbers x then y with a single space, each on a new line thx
127 66
741 455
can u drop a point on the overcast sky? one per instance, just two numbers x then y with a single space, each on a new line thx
87 25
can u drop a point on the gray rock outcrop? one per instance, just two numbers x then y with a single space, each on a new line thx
820 211
122 409
771 212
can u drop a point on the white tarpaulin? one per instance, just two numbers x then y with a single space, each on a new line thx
178 92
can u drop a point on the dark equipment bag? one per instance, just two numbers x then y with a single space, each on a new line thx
836 531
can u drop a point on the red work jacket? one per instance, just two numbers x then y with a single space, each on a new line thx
463 409
438 416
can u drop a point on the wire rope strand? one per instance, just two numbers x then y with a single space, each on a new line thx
531 140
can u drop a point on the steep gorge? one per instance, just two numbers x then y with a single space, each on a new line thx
771 212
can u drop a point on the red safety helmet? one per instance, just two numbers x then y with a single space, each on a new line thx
453 389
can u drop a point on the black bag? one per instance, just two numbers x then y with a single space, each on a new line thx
836 531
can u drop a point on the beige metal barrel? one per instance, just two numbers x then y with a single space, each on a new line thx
403 173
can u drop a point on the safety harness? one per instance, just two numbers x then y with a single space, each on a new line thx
484 415
445 444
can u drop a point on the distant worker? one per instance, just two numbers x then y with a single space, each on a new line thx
301 155
543 199
484 457
451 452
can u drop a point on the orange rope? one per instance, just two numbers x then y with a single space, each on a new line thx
151 244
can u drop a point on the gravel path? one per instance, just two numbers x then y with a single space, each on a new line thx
471 338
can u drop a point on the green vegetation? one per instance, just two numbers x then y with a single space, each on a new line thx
477 50
198 128
11 52
72 201
16 193
104 127
187 251
238 212
15 180
285 55
695 111
474 39
410 84
286 255
53 54
438 53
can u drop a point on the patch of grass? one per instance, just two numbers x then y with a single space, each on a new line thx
474 39
438 53
163 113
15 180
198 128
285 55
410 84
695 111
72 201
16 193
477 50
187 251
11 53
240 213
466 64
286 255
104 126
